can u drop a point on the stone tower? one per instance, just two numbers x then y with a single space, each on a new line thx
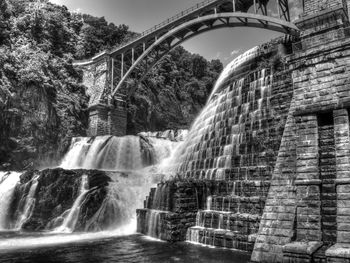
107 115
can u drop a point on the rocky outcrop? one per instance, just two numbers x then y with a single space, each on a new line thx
56 193
172 135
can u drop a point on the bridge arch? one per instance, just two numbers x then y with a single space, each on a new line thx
177 36
152 45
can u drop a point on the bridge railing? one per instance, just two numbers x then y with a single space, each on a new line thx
177 16
315 41
149 31
167 22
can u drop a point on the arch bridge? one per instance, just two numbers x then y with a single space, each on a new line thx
106 74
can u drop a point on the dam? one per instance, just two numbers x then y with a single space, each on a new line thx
265 165
263 170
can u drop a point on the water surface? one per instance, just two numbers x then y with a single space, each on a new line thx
134 248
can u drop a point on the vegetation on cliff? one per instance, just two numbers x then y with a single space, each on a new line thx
43 104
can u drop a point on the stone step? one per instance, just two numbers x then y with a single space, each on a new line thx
150 222
256 173
245 224
247 188
238 204
164 225
221 238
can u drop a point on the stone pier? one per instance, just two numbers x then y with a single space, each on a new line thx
107 119
107 114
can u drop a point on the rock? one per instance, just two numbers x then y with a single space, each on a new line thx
56 192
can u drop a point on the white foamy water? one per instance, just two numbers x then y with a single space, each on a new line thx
115 153
8 182
125 195
233 65
178 135
71 218
29 203
217 133
116 215
49 239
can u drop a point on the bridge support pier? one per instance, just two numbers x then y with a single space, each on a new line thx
108 119
107 113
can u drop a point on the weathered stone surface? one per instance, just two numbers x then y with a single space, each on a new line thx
307 248
56 192
322 151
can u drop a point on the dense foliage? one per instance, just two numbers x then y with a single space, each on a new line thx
173 93
43 104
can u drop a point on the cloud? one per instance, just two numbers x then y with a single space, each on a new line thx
218 55
57 2
78 10
235 52
296 10
272 13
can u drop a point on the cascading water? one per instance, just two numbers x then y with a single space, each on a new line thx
105 152
71 216
178 135
231 147
129 154
8 182
105 204
216 135
29 203
115 153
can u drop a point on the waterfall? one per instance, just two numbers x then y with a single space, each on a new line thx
216 136
221 221
162 148
116 153
122 158
127 154
29 203
115 211
78 149
209 202
178 135
8 182
233 189
227 143
233 65
125 195
71 216
105 152
153 219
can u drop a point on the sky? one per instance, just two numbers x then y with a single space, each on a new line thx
140 15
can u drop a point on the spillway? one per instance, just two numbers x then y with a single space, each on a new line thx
221 173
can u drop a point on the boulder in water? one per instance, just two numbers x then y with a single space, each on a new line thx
55 194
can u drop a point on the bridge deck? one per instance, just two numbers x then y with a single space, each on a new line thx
200 9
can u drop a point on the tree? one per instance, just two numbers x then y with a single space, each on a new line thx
199 66
4 22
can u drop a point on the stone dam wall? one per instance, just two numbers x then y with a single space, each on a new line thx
270 172
225 166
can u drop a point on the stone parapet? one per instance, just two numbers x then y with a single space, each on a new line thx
339 253
298 252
